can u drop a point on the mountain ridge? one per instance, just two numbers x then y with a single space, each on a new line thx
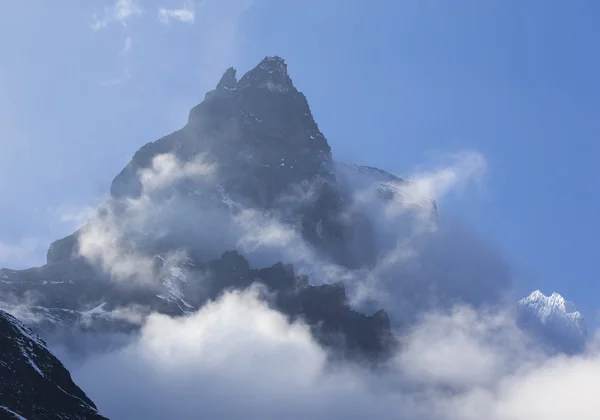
33 382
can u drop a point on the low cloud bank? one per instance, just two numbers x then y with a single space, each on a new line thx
238 358
461 354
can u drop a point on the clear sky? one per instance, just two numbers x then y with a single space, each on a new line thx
83 84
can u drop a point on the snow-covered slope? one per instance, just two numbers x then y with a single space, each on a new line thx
33 383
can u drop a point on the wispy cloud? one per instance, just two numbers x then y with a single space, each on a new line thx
185 14
121 12
127 45
465 167
74 217
109 239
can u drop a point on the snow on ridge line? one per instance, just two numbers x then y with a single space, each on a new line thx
83 403
25 331
550 304
554 311
25 340
9 411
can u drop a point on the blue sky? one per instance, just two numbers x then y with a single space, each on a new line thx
391 83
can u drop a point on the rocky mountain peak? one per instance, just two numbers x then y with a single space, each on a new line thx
228 80
259 131
271 73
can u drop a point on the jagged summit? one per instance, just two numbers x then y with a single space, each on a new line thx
271 74
228 80
555 319
273 63
258 130
549 306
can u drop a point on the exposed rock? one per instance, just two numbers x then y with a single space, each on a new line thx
33 383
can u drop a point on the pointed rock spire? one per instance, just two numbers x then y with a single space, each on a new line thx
228 80
271 73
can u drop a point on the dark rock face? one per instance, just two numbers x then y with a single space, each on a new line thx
91 304
259 131
260 134
33 383
324 308
62 249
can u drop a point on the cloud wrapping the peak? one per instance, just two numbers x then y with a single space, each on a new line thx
166 169
238 357
464 168
127 233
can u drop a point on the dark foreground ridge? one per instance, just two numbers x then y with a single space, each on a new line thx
33 383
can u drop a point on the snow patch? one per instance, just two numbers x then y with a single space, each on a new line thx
9 411
98 310
84 404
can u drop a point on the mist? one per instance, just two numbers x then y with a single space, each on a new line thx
236 357
448 293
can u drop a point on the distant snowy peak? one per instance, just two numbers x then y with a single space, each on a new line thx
554 318
549 307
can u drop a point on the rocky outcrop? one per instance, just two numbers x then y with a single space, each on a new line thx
33 383
88 303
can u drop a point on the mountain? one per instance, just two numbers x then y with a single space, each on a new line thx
554 320
260 153
268 152
248 185
33 383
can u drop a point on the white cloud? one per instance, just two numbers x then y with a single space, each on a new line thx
186 14
103 241
121 12
167 169
111 238
465 167
74 217
463 348
236 358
